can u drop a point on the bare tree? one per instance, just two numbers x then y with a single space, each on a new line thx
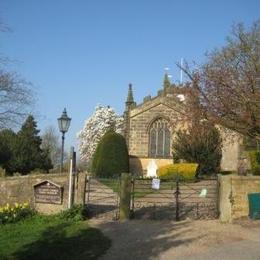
50 143
16 95
228 84
15 99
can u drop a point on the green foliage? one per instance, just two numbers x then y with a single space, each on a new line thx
7 142
185 171
22 152
76 213
200 144
254 157
28 151
111 156
12 214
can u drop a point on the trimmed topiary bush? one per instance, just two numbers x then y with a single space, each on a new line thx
186 171
111 156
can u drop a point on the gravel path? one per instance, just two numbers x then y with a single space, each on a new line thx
147 239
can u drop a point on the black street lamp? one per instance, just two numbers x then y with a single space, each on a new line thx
64 124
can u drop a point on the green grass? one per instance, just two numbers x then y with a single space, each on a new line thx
50 237
113 184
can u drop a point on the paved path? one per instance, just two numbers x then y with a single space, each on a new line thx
145 239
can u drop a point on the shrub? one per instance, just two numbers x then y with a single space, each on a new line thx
111 156
201 144
186 171
76 212
254 157
15 213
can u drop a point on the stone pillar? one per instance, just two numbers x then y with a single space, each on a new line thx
81 188
225 193
125 196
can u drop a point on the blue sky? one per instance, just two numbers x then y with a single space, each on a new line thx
81 53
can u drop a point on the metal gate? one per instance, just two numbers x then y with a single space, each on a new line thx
175 199
102 197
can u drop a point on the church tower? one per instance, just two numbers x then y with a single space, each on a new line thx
129 104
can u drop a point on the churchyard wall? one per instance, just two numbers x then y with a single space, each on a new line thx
233 195
20 189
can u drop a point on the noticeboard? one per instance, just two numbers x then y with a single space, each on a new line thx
48 192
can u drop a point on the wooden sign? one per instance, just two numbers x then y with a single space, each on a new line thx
48 192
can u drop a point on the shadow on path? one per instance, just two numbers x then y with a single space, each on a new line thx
144 239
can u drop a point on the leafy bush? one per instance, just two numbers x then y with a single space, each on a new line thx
186 171
201 144
16 213
254 157
76 212
111 156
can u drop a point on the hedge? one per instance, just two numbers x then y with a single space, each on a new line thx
184 170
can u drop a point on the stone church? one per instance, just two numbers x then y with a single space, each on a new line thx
150 127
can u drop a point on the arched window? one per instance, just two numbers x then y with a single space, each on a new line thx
159 139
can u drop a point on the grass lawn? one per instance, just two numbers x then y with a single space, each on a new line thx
50 237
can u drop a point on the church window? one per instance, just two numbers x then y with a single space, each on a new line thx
160 139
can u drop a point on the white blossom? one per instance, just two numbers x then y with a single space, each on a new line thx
103 119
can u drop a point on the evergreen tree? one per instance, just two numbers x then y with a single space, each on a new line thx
28 154
7 143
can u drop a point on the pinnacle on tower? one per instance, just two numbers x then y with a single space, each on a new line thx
166 81
130 97
130 103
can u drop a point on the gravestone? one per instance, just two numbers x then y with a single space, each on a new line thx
152 168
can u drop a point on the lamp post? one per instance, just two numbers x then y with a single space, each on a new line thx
64 124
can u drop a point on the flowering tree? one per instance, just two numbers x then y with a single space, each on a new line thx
103 119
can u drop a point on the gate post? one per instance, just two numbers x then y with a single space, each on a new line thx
125 196
177 193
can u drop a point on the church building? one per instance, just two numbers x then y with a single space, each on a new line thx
150 128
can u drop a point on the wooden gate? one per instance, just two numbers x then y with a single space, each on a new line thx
102 197
174 199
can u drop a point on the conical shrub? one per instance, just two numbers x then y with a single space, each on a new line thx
111 156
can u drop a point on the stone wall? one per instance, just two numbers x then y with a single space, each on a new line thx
233 195
20 189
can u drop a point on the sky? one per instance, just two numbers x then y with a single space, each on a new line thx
81 53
